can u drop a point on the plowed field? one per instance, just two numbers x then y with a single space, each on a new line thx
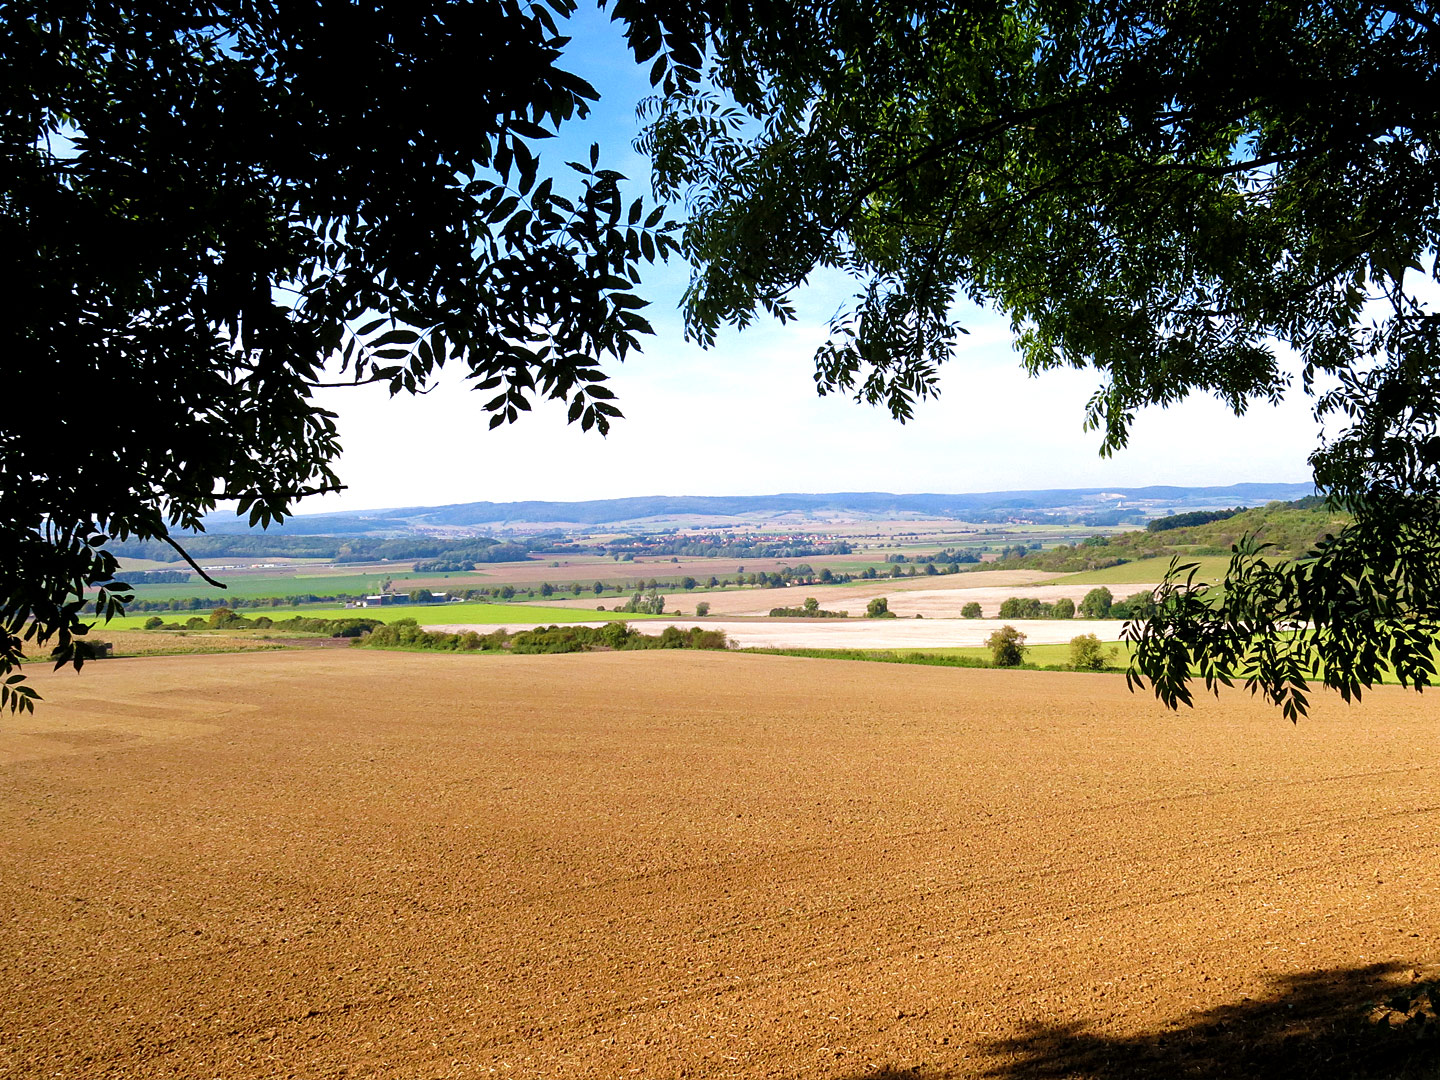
364 864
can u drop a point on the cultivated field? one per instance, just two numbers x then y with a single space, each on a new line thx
360 864
940 597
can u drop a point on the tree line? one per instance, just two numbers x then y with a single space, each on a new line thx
406 634
714 547
1098 603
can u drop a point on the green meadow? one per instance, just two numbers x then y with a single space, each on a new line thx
250 585
1040 655
1148 571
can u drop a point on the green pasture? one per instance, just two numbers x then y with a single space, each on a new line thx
1044 656
1040 655
251 586
424 614
1148 571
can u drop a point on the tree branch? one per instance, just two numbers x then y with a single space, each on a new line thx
342 385
193 564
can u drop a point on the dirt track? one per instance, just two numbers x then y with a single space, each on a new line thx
662 864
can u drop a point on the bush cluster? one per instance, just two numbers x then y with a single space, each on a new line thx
1029 607
810 610
406 634
224 618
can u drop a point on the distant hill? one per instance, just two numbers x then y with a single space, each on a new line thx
1291 527
1078 505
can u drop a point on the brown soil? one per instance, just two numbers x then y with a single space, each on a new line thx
324 864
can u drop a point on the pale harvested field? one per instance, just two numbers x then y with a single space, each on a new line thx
939 597
362 864
852 633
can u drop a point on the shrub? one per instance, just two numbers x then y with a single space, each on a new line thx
649 604
810 610
223 618
154 622
879 608
971 611
1007 647
1096 604
1064 608
1087 654
1022 607
1141 604
702 609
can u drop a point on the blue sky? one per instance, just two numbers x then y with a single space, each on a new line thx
744 418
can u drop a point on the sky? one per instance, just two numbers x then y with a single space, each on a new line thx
743 417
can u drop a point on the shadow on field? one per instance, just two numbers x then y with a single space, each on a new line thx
1363 1023
1367 1023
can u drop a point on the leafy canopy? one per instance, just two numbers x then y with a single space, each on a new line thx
1167 194
205 205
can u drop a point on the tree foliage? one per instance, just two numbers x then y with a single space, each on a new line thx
1007 647
1096 603
879 608
1163 193
210 211
1088 654
203 206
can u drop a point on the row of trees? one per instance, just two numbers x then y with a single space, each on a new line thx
225 618
407 634
1029 607
948 557
714 547
898 570
1098 603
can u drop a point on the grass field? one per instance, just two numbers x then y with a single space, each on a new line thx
489 614
1059 656
269 584
1040 655
398 866
1147 571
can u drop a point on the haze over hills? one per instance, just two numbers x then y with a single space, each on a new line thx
1081 505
